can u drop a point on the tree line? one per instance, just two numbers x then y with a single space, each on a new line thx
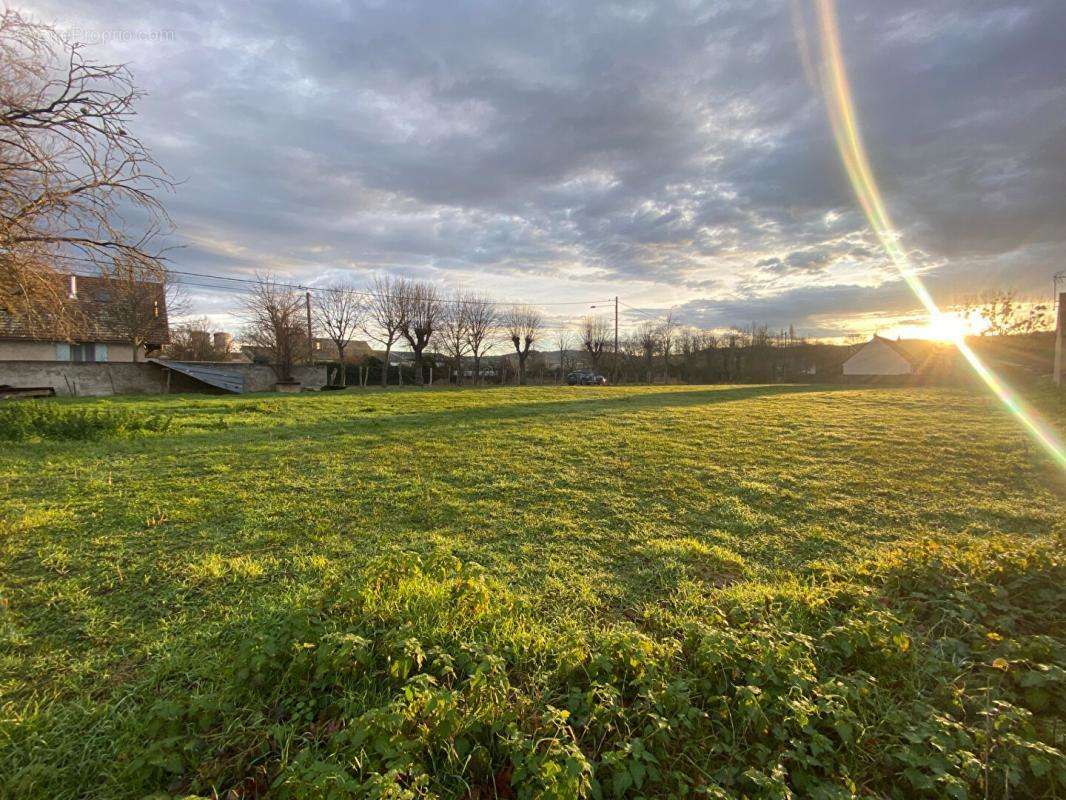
460 327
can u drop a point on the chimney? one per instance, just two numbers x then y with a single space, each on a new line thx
223 341
72 289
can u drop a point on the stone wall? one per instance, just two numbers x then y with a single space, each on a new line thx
94 380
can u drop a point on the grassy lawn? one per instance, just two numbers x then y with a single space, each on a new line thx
542 592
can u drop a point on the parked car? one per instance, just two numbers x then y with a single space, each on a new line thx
585 378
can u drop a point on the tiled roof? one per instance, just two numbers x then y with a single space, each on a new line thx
89 317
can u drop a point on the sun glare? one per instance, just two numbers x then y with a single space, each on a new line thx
844 122
948 326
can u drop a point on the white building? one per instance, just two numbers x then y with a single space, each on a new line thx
881 356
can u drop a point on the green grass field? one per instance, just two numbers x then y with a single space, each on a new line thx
547 592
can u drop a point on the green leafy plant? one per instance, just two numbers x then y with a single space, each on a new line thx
32 419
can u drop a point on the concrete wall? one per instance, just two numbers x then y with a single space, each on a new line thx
260 378
91 380
11 350
877 358
27 351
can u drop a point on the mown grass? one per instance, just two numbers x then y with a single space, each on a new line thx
640 592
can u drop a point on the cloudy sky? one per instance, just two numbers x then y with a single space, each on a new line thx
674 153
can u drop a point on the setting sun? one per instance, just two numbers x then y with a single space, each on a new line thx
944 327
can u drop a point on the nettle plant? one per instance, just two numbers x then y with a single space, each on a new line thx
45 419
931 672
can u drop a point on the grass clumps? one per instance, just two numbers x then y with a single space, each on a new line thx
758 592
419 679
27 420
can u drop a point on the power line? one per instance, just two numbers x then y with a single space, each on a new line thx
182 276
360 293
642 311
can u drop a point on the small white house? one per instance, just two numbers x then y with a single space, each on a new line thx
881 356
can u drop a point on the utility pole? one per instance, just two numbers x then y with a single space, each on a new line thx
614 378
616 327
310 336
616 331
1060 342
1060 331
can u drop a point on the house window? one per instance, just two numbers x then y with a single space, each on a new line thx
88 352
83 352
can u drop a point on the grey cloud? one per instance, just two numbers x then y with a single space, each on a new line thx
674 147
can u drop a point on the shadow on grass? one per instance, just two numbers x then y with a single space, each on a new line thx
383 421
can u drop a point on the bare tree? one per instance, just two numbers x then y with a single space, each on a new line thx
339 312
1001 313
482 319
667 332
384 316
453 333
522 326
564 340
596 333
421 310
647 340
139 296
68 165
274 323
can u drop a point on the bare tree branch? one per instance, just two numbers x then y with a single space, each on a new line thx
596 334
522 325
274 323
420 315
384 317
453 334
340 313
68 169
482 320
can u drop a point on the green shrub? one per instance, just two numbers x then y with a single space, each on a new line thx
41 419
426 680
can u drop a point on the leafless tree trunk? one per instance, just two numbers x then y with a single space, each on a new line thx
596 334
454 333
564 341
274 322
421 311
139 298
666 332
648 341
523 326
482 320
384 316
68 164
339 312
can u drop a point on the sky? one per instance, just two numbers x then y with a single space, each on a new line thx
674 154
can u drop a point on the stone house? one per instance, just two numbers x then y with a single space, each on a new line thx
90 331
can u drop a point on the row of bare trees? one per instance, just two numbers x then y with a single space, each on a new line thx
461 327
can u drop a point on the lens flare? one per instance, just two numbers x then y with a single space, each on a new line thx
845 126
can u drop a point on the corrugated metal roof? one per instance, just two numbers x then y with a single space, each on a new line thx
219 377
